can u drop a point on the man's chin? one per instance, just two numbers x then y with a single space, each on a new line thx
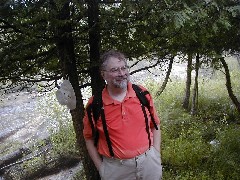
121 85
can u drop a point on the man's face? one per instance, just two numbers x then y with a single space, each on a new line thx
116 73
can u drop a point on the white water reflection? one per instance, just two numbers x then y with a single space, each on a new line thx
21 121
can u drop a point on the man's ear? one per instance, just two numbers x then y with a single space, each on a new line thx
102 74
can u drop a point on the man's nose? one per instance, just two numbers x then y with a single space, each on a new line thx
121 72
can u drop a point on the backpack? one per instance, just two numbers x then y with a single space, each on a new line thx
96 109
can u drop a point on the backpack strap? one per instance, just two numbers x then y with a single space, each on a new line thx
96 109
144 101
89 113
95 132
106 132
147 126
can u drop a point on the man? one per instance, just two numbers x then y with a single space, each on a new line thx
135 143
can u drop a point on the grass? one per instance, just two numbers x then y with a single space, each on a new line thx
186 150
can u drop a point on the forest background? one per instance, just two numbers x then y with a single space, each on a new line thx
43 42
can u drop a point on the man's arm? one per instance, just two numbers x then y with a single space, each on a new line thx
157 138
92 150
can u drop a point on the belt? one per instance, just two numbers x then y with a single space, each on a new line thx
134 159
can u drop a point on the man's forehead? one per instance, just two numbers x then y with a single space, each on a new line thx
115 60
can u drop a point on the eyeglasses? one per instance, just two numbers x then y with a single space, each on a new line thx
116 70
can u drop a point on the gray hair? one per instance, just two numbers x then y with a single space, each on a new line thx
111 53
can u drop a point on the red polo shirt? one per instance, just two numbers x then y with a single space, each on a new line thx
126 125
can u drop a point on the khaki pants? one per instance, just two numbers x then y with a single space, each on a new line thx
147 166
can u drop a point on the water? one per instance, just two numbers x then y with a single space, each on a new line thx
20 121
26 118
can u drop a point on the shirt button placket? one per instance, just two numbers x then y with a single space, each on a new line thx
123 112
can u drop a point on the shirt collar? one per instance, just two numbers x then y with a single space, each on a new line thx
107 99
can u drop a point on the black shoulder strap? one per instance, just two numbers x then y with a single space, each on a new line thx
96 106
97 109
144 101
93 112
141 95
89 113
106 132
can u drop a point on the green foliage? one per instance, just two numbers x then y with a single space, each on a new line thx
186 150
79 175
225 159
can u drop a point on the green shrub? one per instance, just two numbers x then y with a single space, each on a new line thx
186 149
226 157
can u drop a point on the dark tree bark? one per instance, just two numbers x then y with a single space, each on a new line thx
65 45
229 86
195 89
166 78
97 83
185 103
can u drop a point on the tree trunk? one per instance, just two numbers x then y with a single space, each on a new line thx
185 103
166 78
97 83
229 86
195 89
65 45
238 60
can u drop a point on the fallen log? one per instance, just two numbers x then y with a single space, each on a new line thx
13 157
40 169
17 157
22 164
